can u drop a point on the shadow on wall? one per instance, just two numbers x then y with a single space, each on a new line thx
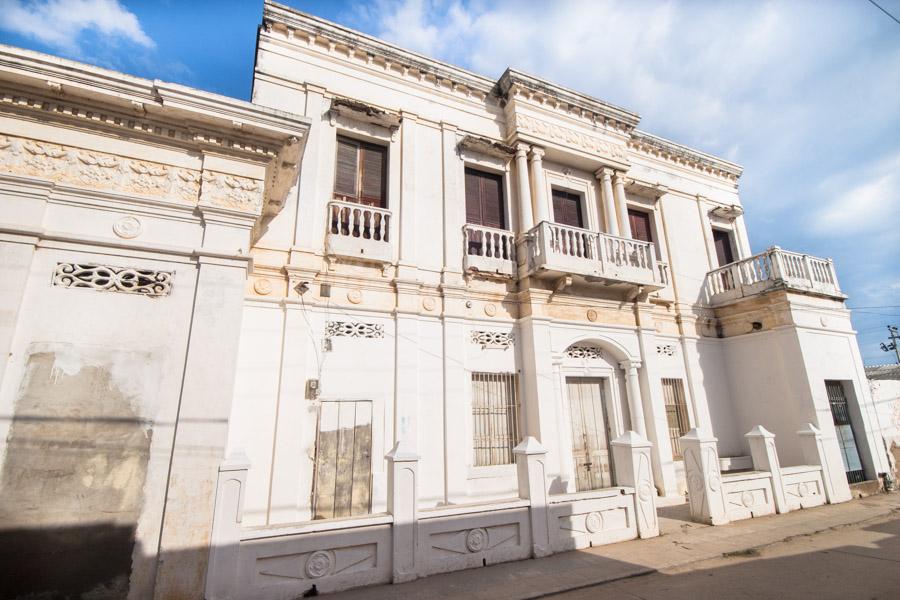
72 483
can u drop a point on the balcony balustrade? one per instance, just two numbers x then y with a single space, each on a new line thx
773 269
359 231
562 250
489 250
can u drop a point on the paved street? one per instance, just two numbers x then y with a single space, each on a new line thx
857 561
846 551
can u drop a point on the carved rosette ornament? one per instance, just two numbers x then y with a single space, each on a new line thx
593 522
476 540
319 564
128 227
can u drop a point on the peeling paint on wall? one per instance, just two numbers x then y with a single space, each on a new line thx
73 476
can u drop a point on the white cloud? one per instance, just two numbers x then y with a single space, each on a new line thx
60 23
865 200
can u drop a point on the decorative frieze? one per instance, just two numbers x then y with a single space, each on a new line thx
97 170
103 278
494 339
569 137
354 329
231 191
584 352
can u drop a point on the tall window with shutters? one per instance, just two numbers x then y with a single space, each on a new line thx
724 251
640 225
484 206
360 173
567 208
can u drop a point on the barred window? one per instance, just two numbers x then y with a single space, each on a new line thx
495 417
676 413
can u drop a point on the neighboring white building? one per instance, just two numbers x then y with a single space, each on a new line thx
380 251
884 382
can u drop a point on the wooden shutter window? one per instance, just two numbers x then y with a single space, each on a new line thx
640 225
360 172
345 171
484 199
722 241
372 176
567 208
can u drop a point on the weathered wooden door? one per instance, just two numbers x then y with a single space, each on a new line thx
343 479
590 433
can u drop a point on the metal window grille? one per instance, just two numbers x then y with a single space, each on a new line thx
840 413
495 417
676 413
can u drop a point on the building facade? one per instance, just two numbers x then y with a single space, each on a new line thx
381 251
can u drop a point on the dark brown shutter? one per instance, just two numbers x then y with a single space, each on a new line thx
722 241
484 199
373 171
492 200
640 225
473 197
345 169
567 208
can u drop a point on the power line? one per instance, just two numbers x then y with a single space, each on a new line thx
875 4
881 306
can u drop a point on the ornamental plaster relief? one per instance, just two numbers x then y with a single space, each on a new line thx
568 136
97 170
232 191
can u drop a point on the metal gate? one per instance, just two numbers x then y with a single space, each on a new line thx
343 477
841 415
590 433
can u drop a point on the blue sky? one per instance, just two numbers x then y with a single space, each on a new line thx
805 95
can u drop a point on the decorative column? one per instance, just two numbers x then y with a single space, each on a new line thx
532 475
765 458
704 478
624 225
817 450
609 205
541 209
633 389
526 218
631 461
403 466
454 210
225 540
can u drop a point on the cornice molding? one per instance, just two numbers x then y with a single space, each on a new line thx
297 24
569 101
487 146
52 89
647 143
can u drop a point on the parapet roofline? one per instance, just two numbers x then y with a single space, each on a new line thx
56 76
512 77
275 13
680 151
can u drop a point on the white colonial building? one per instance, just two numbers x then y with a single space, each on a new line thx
429 320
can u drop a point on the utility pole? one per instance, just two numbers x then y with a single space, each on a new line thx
892 345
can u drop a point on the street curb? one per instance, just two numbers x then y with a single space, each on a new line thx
730 554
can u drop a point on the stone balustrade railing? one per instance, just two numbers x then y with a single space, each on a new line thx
359 231
489 250
561 249
771 269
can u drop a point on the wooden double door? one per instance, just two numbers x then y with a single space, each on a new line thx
591 432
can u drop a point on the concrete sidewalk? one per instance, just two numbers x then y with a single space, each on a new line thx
681 543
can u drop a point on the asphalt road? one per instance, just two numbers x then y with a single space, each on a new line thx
854 562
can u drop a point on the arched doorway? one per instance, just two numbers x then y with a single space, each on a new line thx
592 393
